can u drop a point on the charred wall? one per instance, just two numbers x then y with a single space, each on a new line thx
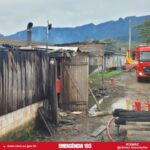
24 78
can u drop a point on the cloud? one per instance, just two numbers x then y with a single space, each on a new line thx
15 14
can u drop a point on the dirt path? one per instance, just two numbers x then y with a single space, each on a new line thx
126 88
133 89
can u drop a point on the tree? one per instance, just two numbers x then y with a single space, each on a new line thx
144 31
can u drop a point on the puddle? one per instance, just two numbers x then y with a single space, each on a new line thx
120 104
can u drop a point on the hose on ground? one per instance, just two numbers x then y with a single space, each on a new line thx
108 129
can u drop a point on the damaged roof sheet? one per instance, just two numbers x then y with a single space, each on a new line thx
58 48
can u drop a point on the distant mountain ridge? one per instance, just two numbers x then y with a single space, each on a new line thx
1 35
109 30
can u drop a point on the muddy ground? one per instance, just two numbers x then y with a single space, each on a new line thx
126 87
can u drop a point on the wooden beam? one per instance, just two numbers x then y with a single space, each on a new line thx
94 98
98 131
99 113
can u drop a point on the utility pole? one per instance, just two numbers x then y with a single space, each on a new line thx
49 26
129 34
29 33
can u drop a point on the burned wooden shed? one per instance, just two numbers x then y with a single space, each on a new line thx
75 61
75 82
73 70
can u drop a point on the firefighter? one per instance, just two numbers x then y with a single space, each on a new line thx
58 90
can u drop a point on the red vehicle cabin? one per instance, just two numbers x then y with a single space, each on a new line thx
143 66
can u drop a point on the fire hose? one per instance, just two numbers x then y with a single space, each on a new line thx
108 129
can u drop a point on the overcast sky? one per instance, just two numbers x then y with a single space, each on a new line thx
14 14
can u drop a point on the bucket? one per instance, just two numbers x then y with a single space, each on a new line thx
137 105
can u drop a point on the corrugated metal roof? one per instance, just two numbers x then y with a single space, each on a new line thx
86 47
58 48
90 48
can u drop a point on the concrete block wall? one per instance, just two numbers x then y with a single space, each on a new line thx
18 119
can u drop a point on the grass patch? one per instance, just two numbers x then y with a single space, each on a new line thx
22 135
106 75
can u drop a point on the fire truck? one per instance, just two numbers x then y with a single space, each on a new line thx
139 58
143 65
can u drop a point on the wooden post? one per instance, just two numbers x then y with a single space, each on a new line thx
96 102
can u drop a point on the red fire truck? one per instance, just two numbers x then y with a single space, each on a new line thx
143 65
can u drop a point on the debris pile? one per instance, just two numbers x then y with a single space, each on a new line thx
99 92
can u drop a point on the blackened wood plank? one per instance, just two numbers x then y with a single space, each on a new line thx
30 77
43 74
19 100
6 81
14 87
23 77
27 80
40 77
33 57
4 84
1 85
52 95
10 83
